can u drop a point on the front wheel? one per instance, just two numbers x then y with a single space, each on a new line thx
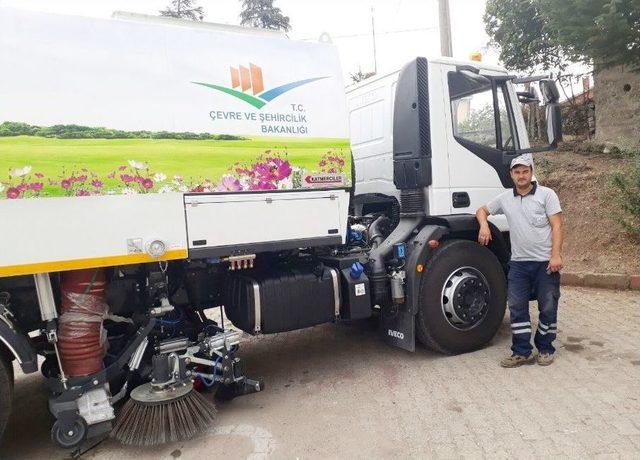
462 298
6 391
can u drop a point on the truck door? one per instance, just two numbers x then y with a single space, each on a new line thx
480 126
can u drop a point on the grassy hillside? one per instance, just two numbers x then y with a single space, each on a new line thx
105 160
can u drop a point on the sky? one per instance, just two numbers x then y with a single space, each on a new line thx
404 28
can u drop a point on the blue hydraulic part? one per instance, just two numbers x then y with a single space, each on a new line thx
356 270
355 236
399 251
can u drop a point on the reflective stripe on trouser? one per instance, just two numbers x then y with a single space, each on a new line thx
525 279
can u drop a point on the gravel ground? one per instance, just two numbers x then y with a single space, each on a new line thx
336 391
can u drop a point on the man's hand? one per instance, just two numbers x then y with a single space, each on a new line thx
555 264
484 235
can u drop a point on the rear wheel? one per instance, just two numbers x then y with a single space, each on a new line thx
6 391
462 298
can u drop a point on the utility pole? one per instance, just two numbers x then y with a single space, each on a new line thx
446 48
373 34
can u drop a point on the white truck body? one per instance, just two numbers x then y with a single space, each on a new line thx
165 76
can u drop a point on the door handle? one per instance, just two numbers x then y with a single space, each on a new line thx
460 200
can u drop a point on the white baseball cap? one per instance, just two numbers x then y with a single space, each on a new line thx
524 160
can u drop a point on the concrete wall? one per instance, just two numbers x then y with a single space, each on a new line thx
617 92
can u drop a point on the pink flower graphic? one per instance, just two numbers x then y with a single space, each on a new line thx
229 184
263 185
97 184
13 193
36 186
126 178
65 184
147 184
274 169
111 175
81 192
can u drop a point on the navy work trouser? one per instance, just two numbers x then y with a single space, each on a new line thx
527 278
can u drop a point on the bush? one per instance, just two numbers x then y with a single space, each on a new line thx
10 128
628 187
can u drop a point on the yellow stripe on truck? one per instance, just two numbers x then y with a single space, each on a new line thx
95 262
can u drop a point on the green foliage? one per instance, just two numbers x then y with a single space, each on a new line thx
628 188
184 9
480 126
9 128
547 33
605 32
262 14
522 32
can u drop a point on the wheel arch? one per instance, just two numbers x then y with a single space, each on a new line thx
16 345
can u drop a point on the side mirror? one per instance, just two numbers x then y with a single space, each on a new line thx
527 97
554 124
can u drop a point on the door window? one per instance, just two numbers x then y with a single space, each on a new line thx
480 111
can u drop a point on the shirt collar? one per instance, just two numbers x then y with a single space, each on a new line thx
531 192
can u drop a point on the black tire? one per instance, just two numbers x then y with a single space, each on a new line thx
6 391
69 439
433 327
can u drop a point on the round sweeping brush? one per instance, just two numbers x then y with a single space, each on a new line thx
156 415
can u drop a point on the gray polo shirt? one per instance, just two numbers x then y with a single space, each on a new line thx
528 218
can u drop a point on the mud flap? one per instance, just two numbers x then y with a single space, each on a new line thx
398 328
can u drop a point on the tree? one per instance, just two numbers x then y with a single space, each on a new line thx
184 9
548 33
262 14
359 76
602 32
521 31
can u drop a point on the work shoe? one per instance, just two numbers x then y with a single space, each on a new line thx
544 359
517 360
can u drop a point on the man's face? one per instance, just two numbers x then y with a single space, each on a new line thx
521 175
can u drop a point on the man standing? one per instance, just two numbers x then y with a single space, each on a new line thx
535 225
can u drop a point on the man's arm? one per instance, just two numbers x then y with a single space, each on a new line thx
484 235
555 263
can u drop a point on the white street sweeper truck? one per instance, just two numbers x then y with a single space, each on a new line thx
154 169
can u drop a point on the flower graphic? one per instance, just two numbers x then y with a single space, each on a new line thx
13 193
65 184
165 189
159 177
273 169
229 184
20 172
138 164
97 184
129 191
126 178
147 184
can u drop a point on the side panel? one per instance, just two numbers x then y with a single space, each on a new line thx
38 236
370 108
251 219
106 124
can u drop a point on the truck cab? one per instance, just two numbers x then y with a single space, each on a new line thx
475 125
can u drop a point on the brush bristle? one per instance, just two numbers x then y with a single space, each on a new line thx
140 424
